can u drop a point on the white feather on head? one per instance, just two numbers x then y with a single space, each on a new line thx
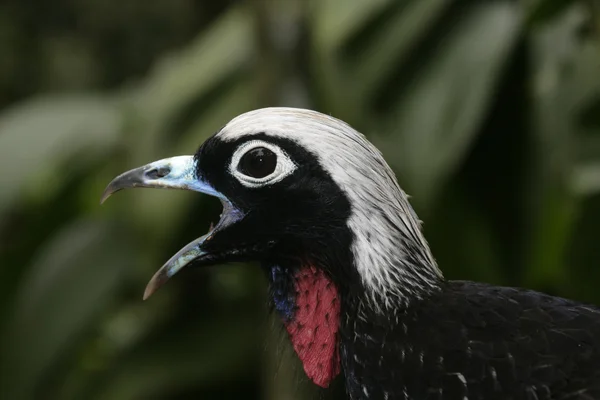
384 225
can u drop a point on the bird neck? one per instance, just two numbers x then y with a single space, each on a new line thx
308 302
410 279
395 271
389 251
312 305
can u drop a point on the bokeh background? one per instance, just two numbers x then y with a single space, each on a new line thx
488 111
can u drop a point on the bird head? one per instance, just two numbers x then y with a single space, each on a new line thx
315 203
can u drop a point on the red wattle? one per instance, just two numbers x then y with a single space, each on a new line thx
313 329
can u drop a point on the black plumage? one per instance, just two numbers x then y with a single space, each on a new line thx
474 341
352 277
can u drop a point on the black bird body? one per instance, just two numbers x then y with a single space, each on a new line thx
473 341
352 276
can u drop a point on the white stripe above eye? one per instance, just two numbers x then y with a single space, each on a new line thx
284 167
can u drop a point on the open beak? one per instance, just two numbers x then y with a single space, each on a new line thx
173 173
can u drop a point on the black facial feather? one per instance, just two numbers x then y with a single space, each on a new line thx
303 217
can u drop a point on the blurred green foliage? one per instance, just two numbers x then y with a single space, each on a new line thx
488 110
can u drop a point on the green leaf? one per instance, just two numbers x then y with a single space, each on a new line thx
543 11
586 178
39 135
198 353
333 21
556 52
71 282
438 116
393 42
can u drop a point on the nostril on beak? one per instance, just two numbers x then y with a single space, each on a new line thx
157 173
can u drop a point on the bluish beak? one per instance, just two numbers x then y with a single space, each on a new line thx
169 173
173 173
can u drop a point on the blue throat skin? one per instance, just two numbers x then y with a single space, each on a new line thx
283 299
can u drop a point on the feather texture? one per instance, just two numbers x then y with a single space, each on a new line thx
474 341
387 234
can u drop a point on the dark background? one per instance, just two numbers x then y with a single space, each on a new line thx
488 111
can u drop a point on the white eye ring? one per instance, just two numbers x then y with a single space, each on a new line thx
284 167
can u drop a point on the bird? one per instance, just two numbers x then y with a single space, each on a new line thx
351 275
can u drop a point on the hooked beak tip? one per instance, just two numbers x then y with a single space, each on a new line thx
147 293
107 193
183 257
130 179
155 283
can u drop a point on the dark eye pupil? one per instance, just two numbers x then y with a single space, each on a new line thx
258 162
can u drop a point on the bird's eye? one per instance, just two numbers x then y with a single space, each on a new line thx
258 162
